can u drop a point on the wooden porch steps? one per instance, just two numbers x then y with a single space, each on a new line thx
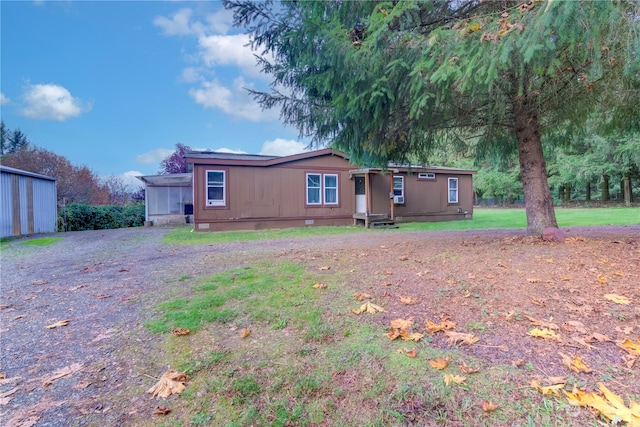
374 220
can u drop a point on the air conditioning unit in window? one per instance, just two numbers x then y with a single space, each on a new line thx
398 200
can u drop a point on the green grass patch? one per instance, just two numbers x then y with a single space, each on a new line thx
44 241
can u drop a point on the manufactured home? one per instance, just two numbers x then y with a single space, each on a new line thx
322 187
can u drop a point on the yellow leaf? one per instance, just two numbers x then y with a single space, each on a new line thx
415 336
409 353
440 362
618 299
327 267
320 286
467 369
393 334
406 324
461 338
369 308
602 279
361 296
450 378
171 382
180 331
545 333
633 348
537 322
442 326
245 333
58 324
609 404
488 406
615 273
547 389
409 300
574 363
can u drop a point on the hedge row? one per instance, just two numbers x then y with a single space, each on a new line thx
79 216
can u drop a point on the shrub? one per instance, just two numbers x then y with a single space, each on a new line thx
80 216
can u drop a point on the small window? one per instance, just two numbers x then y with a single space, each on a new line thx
331 189
313 189
426 175
453 190
216 190
398 186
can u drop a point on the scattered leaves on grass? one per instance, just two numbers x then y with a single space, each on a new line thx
161 410
488 406
180 331
552 385
58 324
320 286
444 325
360 296
618 299
409 353
457 379
574 363
608 404
409 300
171 382
440 362
467 369
245 333
544 333
405 324
369 308
461 338
411 336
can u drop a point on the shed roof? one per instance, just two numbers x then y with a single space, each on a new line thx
174 180
15 171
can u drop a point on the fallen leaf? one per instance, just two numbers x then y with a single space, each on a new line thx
618 299
597 337
393 334
539 302
409 353
409 300
403 258
510 315
633 348
608 404
553 385
444 325
369 308
534 280
180 331
245 333
320 286
413 336
61 373
544 333
461 338
574 325
537 322
361 296
574 363
488 406
457 379
602 279
59 323
123 270
440 362
40 282
20 316
615 273
171 382
405 324
161 410
467 369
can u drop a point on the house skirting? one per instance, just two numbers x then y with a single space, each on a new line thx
265 223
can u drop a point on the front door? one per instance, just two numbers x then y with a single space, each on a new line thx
361 195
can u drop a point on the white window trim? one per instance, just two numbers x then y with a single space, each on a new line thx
306 186
323 187
449 181
211 202
426 175
394 185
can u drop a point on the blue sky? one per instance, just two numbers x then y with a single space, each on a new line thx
114 85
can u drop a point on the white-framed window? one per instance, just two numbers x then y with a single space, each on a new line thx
322 189
216 188
314 189
398 186
426 175
331 189
453 190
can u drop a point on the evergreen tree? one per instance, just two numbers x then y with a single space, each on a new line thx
393 80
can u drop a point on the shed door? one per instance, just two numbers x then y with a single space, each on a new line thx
361 196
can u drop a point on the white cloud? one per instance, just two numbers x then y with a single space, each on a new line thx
154 156
234 100
129 179
282 147
3 99
177 25
181 24
232 50
229 150
51 101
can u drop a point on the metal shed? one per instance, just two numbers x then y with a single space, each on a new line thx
28 204
168 198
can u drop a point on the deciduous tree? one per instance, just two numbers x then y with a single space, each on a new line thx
175 163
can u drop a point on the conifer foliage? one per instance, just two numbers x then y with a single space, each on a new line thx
393 81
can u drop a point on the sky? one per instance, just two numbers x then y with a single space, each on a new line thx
115 85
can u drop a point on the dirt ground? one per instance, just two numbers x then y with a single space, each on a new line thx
499 284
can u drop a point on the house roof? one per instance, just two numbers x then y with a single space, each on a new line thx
15 171
172 180
218 158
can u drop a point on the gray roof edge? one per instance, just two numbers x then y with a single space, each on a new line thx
25 173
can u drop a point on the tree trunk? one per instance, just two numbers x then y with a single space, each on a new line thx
604 188
588 192
627 190
533 169
567 194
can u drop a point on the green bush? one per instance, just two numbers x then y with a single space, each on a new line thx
80 216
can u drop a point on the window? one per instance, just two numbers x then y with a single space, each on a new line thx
398 186
322 189
216 188
331 189
313 189
453 190
426 175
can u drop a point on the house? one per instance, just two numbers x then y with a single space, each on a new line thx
28 203
168 198
248 191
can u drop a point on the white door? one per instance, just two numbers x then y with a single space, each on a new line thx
361 196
